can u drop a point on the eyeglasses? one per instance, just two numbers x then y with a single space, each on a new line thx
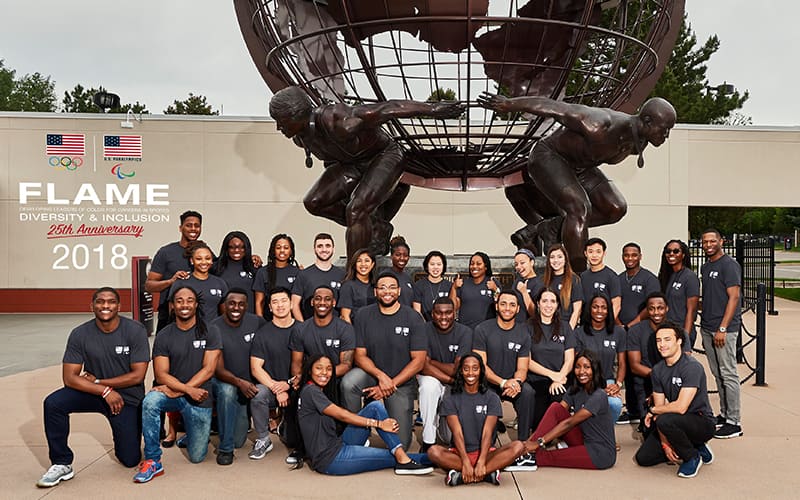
674 251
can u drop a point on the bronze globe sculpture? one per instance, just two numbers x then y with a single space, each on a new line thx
600 53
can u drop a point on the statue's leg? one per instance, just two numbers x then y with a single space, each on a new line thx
536 210
328 196
377 185
381 221
608 204
558 181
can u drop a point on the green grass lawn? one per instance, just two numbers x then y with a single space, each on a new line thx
788 293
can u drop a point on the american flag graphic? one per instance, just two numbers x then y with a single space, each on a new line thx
129 146
65 145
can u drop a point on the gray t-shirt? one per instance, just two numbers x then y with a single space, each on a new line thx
235 276
549 351
598 430
109 355
272 345
477 302
210 291
446 347
576 293
426 292
318 430
502 347
472 410
604 281
312 277
236 343
606 346
686 372
354 295
638 339
681 286
718 276
390 338
168 260
634 291
186 352
533 287
284 277
330 340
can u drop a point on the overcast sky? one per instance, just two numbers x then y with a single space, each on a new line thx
157 51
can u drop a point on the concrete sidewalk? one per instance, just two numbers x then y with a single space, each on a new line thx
761 464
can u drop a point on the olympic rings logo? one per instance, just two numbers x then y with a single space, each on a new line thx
65 162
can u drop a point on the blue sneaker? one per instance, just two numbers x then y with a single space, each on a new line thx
691 467
148 469
705 453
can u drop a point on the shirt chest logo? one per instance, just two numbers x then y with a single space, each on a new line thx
122 349
485 292
401 330
713 274
199 344
332 342
513 346
452 348
677 286
336 285
637 288
290 279
481 409
677 381
600 286
249 337
216 292
442 294
610 343
245 274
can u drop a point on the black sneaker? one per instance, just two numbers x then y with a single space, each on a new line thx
525 463
492 478
224 457
453 478
627 418
705 453
719 421
728 431
412 468
294 457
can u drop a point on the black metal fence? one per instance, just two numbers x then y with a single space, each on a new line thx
756 256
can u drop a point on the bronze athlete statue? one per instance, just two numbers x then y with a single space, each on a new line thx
360 187
565 193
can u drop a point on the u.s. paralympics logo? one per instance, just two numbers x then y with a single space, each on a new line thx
116 170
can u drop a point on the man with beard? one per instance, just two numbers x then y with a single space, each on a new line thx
170 263
232 384
505 347
185 355
322 272
103 372
448 341
390 350
270 361
323 334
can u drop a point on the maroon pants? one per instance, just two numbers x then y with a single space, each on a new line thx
574 457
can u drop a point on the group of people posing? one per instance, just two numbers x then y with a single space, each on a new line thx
332 353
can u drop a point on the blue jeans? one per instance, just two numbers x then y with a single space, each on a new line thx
231 414
196 421
614 403
125 427
354 457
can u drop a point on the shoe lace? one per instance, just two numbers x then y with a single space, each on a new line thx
260 443
145 465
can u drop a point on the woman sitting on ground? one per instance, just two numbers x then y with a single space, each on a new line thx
588 432
472 412
346 454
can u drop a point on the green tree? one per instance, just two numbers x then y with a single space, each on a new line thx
441 94
32 92
193 105
685 85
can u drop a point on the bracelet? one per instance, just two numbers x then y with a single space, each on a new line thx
108 390
664 446
503 383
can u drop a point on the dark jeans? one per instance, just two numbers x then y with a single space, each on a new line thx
683 432
523 405
126 427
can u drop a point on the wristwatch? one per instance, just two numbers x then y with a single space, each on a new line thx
541 443
97 381
722 329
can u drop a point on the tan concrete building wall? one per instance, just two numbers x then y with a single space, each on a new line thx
242 174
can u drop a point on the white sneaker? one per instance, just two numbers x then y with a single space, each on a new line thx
55 474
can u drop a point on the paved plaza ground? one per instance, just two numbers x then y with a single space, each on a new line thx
761 464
